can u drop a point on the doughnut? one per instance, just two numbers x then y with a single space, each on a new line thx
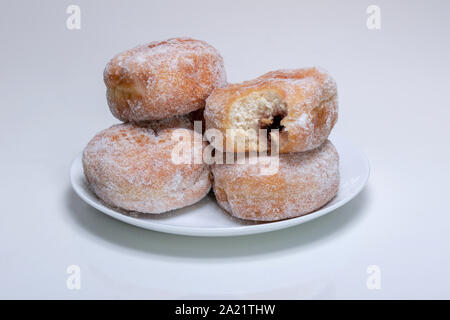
130 167
162 79
300 103
304 182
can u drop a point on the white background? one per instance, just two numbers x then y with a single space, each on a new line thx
393 87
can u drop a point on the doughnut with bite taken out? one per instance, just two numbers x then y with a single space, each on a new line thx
300 103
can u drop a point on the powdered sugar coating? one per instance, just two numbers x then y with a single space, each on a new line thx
309 100
130 167
162 79
304 182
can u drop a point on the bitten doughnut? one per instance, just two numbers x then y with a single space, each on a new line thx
131 167
301 103
162 79
303 183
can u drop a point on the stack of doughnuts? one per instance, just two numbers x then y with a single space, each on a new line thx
159 89
300 109
155 89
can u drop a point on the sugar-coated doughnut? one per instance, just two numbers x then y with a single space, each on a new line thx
130 167
301 103
162 79
303 183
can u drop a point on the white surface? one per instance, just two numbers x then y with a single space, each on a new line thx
393 92
207 219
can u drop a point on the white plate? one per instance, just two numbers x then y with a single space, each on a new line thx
206 218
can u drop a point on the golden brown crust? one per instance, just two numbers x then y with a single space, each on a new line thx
303 183
308 95
162 79
131 167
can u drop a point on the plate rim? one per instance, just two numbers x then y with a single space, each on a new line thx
219 231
